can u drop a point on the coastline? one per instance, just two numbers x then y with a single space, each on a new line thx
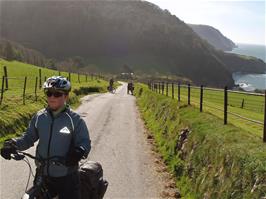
252 50
250 81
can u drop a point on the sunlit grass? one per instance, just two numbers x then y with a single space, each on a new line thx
248 106
216 160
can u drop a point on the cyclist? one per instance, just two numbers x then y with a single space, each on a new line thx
60 132
130 87
111 83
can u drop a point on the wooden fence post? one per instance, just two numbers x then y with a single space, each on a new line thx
167 89
40 78
225 104
201 97
24 90
178 91
69 76
173 91
162 88
243 102
6 77
159 87
78 78
264 131
59 73
188 94
2 89
35 91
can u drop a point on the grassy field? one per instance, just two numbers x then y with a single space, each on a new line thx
248 106
213 160
17 72
14 116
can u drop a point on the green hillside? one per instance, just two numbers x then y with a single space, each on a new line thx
109 35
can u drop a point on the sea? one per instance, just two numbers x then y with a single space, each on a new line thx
250 82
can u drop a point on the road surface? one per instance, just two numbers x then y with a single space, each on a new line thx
118 143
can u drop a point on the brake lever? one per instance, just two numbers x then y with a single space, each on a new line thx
17 156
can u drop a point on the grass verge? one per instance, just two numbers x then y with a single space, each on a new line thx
209 159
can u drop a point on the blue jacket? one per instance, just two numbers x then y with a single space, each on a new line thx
55 134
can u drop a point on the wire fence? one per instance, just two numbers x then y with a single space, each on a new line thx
241 108
19 89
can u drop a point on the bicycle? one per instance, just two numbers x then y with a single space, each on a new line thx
39 190
93 185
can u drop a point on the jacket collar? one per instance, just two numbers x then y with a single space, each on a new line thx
56 115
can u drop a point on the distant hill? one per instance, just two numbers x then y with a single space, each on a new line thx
115 36
10 50
214 37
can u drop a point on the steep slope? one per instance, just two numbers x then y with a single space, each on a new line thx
13 51
115 34
214 37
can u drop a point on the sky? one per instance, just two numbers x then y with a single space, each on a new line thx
241 21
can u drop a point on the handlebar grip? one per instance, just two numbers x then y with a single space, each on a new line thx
18 156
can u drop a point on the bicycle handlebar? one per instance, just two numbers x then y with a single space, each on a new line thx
19 155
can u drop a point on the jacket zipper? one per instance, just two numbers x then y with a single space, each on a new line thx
49 143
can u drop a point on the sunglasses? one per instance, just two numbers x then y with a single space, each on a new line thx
55 94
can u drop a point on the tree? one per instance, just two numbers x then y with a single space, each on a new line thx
79 61
51 64
9 51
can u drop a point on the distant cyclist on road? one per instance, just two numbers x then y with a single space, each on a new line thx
130 87
111 85
60 132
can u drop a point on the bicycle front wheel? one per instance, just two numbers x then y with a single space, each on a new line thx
36 193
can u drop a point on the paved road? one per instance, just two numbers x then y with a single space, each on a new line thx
118 143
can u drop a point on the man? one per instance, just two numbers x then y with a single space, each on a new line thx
130 87
60 132
111 83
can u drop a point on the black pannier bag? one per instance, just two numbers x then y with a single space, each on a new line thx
93 186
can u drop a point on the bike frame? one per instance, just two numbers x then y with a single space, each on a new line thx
39 190
111 89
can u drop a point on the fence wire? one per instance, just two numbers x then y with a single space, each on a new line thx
22 89
246 106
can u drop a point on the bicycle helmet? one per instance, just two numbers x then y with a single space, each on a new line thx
57 83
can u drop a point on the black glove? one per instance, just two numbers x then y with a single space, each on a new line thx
8 148
75 155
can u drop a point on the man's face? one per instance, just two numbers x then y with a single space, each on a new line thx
56 99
